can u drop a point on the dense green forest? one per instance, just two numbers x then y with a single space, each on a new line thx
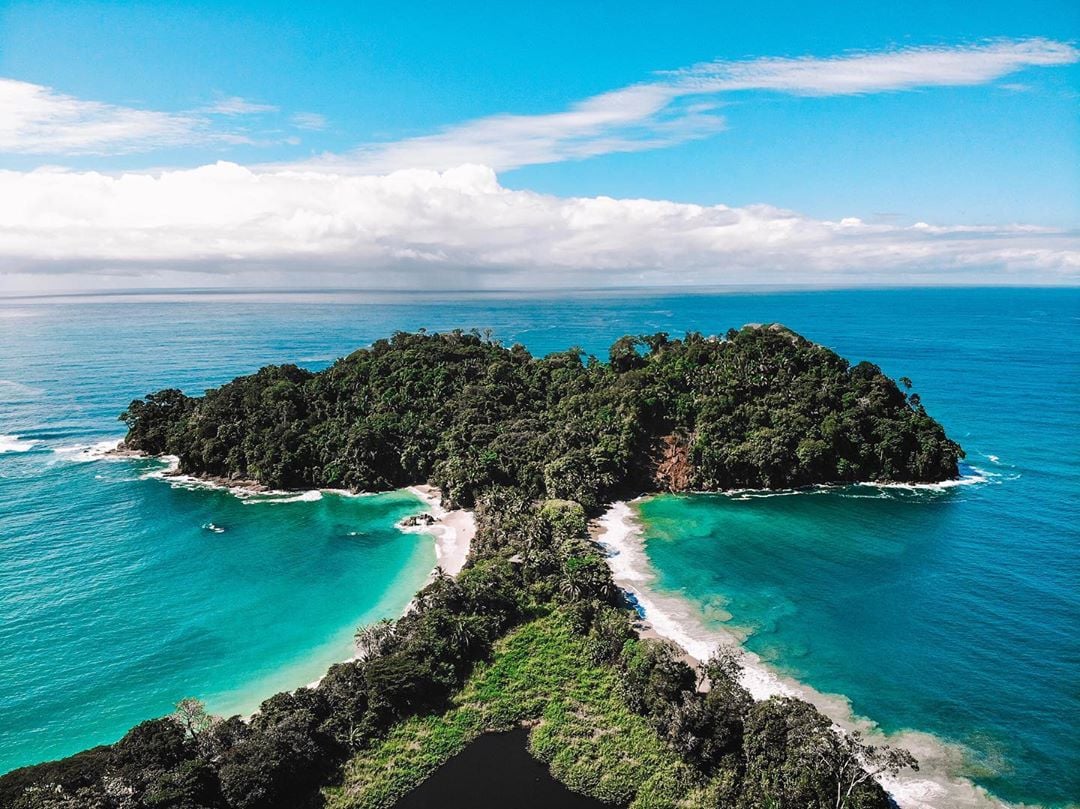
533 630
761 408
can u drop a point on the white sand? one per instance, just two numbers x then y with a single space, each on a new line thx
619 534
453 530
934 787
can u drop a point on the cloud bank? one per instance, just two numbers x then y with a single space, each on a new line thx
430 211
226 225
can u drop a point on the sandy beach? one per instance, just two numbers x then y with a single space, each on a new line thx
619 534
453 530
672 617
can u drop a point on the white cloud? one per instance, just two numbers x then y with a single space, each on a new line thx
225 225
235 105
675 107
680 105
637 118
903 69
39 120
309 120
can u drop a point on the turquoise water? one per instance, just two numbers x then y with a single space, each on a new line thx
954 613
118 602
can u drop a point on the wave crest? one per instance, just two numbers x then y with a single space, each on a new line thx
81 453
304 497
12 443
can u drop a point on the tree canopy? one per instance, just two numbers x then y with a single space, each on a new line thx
760 408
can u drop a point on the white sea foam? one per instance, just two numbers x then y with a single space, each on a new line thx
309 496
453 530
172 463
676 618
762 494
245 492
969 476
81 453
170 475
12 443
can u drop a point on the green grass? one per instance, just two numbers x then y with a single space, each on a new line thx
540 674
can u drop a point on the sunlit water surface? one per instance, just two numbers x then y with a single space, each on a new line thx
953 612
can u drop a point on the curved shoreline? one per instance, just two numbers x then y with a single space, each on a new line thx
620 534
673 617
451 530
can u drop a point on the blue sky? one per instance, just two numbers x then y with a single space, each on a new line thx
349 88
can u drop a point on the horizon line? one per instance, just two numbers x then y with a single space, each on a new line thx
639 289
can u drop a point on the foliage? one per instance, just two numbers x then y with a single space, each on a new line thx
762 408
793 758
539 673
533 629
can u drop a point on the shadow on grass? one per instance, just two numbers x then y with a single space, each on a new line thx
495 772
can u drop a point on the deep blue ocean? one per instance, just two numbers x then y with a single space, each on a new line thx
955 612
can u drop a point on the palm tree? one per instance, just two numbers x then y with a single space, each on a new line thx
571 587
420 601
460 632
374 639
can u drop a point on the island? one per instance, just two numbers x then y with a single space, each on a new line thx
533 632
